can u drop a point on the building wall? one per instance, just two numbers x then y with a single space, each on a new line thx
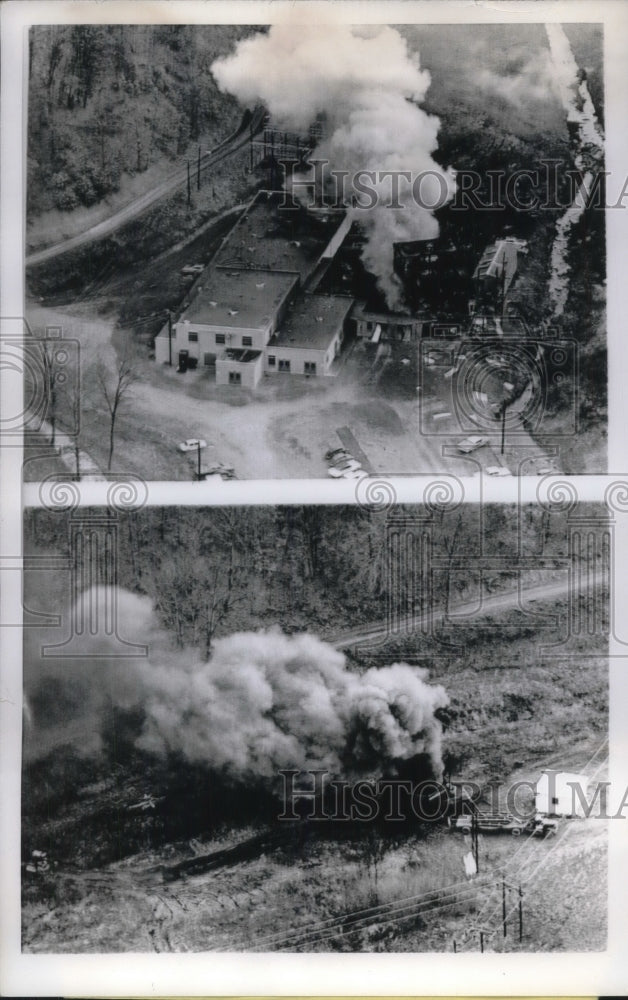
214 339
401 330
161 349
300 356
250 371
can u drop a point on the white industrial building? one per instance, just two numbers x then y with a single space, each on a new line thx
249 315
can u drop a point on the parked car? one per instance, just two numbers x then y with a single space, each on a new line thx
497 470
342 468
333 451
219 471
192 444
472 444
339 460
192 269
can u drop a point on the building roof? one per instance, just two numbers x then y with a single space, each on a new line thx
362 311
274 238
239 298
312 322
492 261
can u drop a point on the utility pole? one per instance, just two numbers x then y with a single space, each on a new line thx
189 191
482 941
251 147
520 914
504 286
504 906
474 840
198 460
503 426
169 338
198 171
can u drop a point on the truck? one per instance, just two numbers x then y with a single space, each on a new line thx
538 825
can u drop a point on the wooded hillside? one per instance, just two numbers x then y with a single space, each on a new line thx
105 100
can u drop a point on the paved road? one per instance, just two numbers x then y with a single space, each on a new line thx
250 125
490 604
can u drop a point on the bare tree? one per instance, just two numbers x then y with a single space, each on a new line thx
214 607
115 384
195 596
450 544
51 373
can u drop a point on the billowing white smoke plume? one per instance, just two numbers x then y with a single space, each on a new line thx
367 84
263 702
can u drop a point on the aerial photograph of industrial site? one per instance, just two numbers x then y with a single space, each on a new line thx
315 729
259 252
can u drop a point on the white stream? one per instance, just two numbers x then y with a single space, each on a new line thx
577 102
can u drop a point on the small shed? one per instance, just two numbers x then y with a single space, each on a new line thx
555 794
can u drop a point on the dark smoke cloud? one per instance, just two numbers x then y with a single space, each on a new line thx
263 702
368 85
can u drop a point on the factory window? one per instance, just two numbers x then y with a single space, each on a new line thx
271 360
284 366
235 378
193 338
209 359
220 338
309 368
247 342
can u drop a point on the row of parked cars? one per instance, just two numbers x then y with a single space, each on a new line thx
342 465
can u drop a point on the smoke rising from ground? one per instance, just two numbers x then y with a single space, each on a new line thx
367 84
264 701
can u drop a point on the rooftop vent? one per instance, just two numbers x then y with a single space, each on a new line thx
260 284
212 303
319 319
233 312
